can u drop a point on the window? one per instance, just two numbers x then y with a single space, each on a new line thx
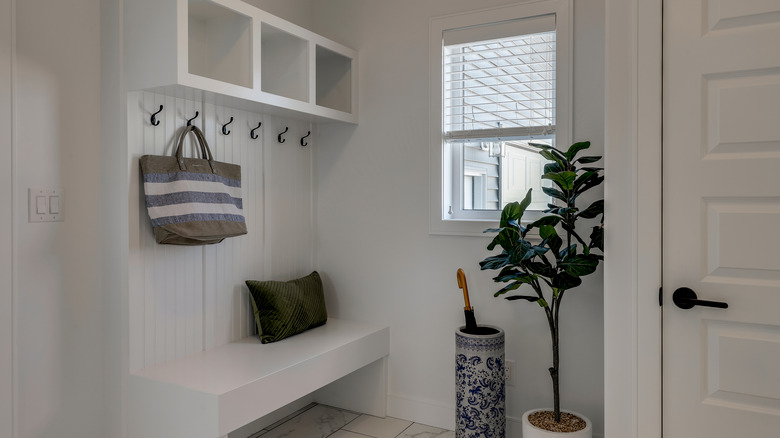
498 81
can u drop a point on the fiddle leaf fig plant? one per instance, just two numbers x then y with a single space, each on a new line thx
554 262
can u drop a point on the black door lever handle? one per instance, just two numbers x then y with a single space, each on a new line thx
685 298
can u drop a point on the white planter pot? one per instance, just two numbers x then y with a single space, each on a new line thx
531 431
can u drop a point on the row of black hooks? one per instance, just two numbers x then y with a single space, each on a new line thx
225 131
287 128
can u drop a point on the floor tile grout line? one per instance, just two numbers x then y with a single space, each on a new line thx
405 429
295 414
356 433
357 415
312 405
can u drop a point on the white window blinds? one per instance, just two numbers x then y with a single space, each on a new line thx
499 80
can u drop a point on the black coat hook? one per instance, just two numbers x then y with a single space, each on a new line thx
189 121
252 134
304 137
224 127
282 140
154 120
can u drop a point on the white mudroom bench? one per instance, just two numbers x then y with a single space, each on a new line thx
211 393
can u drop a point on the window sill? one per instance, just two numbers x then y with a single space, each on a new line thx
469 227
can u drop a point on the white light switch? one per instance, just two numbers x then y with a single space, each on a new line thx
45 205
54 204
40 205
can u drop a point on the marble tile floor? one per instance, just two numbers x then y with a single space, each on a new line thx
320 421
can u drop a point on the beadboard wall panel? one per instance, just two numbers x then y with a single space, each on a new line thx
290 209
188 299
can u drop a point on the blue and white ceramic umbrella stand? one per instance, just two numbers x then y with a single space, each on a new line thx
480 383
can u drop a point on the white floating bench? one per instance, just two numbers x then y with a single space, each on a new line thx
219 390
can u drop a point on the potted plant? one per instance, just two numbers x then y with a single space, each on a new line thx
552 263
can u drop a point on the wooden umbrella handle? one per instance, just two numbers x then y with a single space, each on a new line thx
462 284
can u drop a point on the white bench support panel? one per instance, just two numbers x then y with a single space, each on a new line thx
364 390
214 392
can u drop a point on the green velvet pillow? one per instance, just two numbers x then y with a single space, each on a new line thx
286 308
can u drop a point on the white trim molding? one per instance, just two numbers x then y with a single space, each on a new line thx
8 386
633 133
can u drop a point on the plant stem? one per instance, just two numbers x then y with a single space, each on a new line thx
556 362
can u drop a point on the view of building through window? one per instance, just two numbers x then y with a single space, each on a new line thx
499 94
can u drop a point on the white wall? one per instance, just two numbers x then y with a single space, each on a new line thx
6 222
57 312
374 248
114 221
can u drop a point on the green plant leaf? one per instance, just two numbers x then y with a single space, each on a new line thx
541 269
495 262
540 145
513 211
519 251
522 297
525 203
561 211
593 210
564 180
550 236
579 265
583 178
564 281
553 167
510 212
597 238
546 220
534 251
592 182
545 231
576 148
507 274
552 154
571 249
507 238
542 302
555 193
507 288
587 160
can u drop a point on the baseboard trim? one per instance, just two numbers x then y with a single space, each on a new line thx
421 411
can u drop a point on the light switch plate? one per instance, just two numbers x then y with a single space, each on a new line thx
52 204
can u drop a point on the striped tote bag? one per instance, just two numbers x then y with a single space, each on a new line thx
192 201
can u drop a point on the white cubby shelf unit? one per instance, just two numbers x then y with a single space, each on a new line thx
233 54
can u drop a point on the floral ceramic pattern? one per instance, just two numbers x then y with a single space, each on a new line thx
480 386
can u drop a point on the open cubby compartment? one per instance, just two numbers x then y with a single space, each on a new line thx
219 43
334 80
230 50
284 63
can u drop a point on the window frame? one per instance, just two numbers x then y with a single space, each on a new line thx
443 175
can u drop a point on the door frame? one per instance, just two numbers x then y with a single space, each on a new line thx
633 189
7 200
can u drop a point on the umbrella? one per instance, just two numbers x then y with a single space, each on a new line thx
471 322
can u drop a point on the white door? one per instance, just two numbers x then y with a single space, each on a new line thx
518 170
722 218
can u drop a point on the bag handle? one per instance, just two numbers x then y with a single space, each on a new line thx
204 146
